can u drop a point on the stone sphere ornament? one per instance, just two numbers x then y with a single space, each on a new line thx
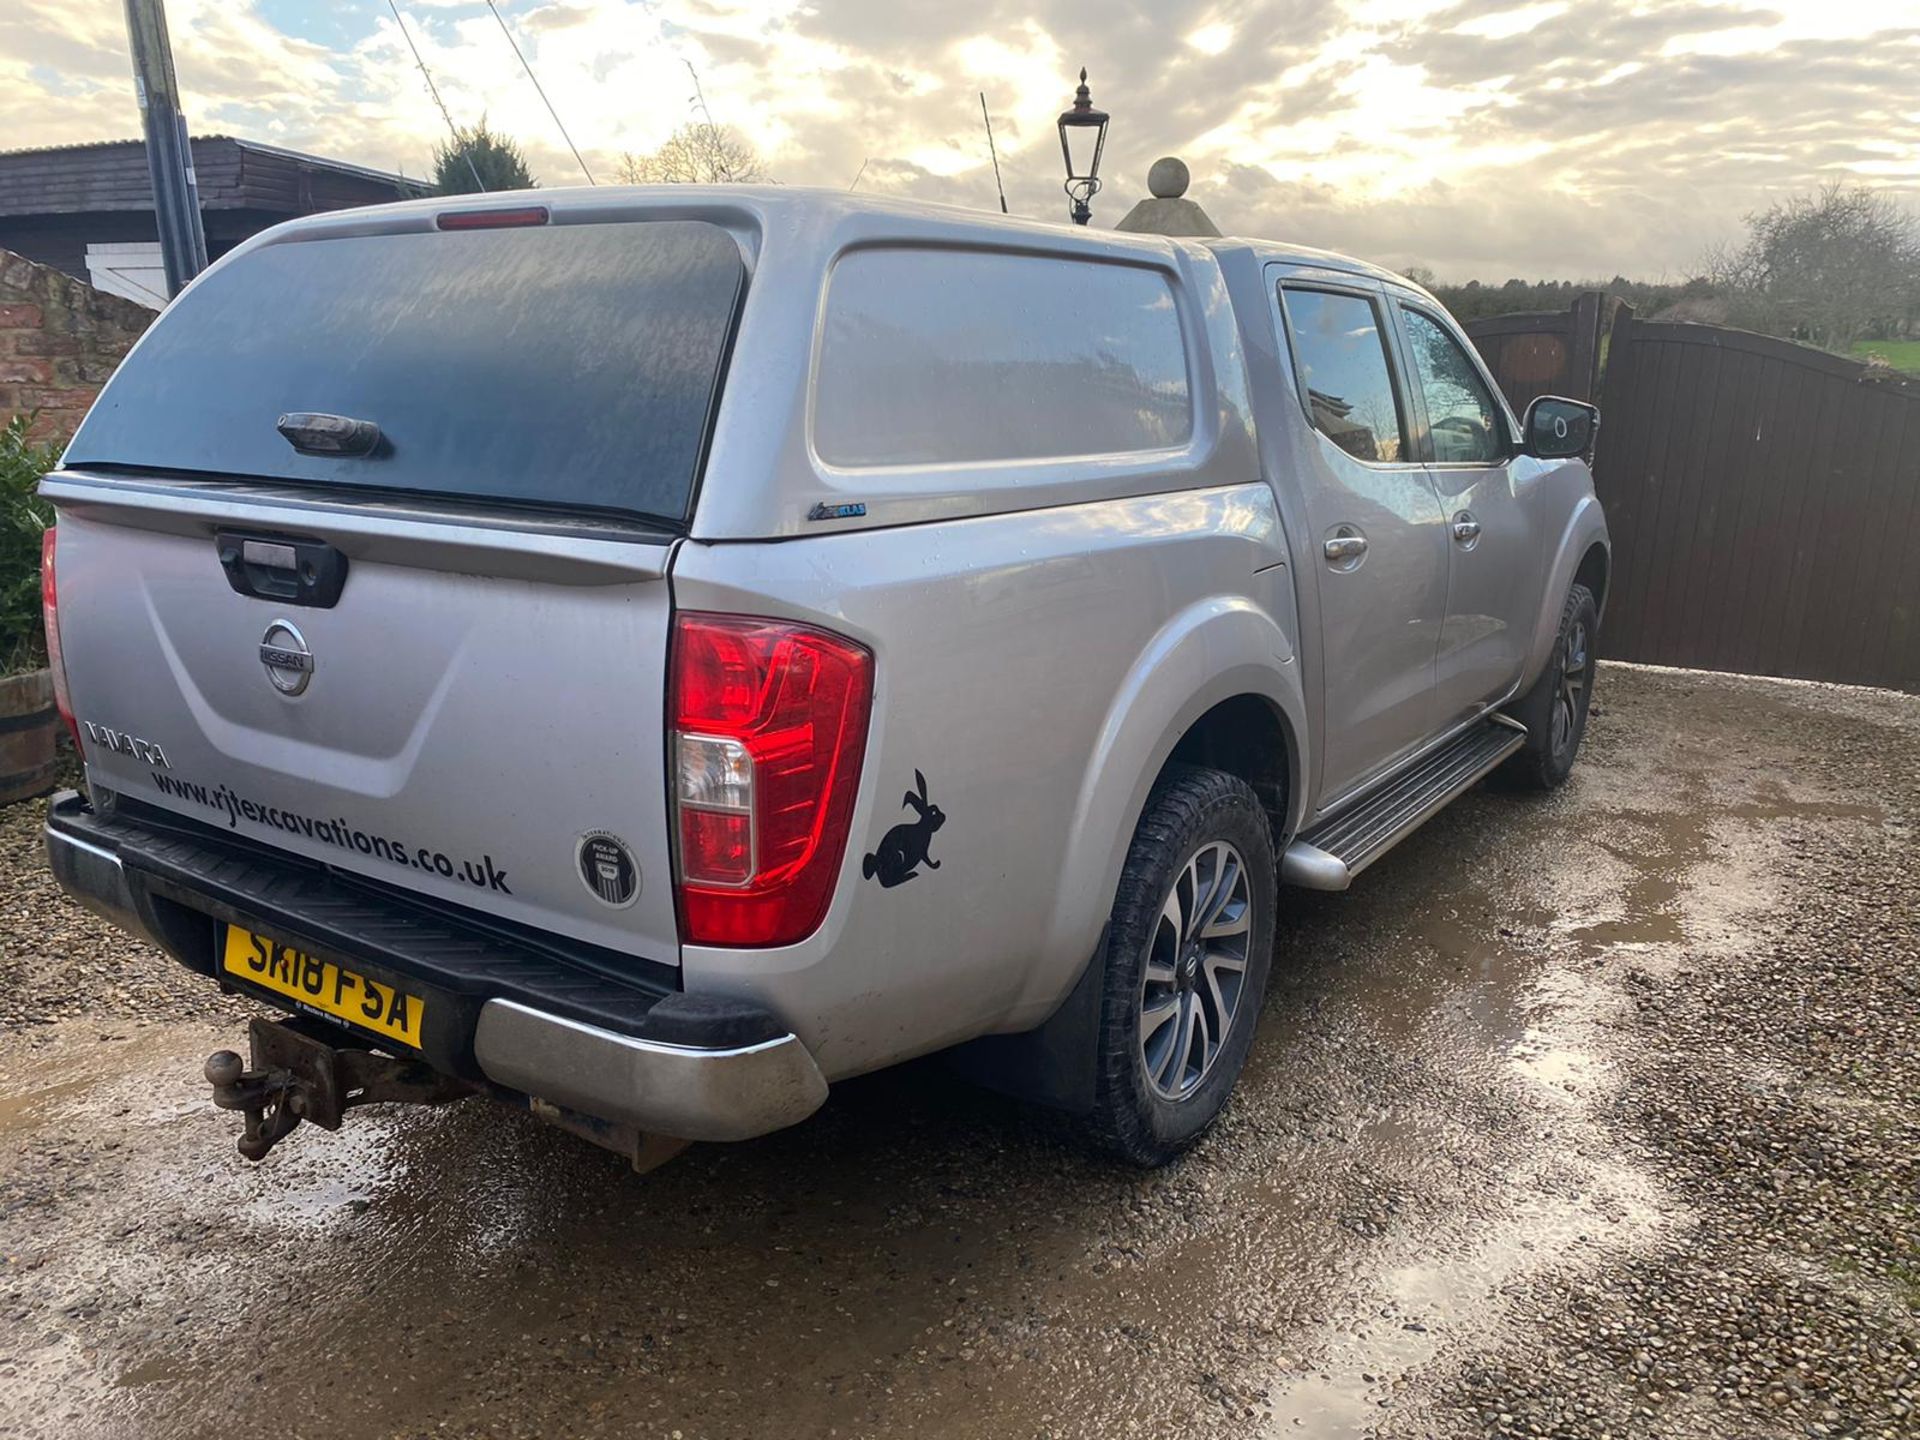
1169 178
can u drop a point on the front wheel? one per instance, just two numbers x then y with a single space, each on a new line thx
1555 709
1188 951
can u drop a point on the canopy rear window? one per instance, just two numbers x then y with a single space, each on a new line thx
574 366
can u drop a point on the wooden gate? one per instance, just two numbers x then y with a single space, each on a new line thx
1556 353
1764 497
1764 500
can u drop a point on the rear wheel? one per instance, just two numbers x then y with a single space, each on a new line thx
1555 709
1188 951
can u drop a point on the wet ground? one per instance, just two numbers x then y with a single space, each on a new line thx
1592 1115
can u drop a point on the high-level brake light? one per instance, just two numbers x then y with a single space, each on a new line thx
491 219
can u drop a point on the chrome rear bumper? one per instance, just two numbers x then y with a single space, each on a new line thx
682 1090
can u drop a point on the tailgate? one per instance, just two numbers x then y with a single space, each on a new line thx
362 552
480 719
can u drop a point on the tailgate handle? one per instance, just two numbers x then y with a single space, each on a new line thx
313 433
285 569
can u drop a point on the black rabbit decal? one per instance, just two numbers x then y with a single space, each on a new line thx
903 849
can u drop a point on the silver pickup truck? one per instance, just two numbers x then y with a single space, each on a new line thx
647 654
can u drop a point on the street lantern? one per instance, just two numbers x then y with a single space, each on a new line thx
1083 135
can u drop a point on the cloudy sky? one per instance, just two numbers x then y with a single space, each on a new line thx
1566 138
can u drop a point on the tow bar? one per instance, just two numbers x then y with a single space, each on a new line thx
298 1073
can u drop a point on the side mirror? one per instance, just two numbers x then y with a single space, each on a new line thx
1557 429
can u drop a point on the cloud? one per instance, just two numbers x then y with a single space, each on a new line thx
1478 137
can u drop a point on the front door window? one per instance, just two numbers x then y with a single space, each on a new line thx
1462 419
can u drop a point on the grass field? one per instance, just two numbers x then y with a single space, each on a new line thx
1901 354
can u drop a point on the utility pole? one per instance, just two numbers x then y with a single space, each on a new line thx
176 194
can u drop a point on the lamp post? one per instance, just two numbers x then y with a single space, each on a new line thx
1084 129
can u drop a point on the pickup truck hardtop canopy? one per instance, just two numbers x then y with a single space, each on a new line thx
579 349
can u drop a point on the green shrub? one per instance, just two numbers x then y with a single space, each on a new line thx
24 518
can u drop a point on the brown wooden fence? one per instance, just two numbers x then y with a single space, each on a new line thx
1764 501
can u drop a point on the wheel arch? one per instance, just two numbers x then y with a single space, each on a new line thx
1584 549
1249 736
1218 677
1218 681
1593 572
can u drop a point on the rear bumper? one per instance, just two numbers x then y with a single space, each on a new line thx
92 873
695 1092
520 1020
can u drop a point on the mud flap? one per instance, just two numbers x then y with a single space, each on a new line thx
1050 1065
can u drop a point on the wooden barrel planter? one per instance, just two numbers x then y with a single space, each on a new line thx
28 727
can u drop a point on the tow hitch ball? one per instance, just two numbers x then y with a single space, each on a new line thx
299 1074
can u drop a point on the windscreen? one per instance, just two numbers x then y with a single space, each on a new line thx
573 366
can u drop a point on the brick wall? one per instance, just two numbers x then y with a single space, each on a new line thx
59 341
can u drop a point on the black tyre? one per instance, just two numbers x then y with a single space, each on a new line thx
1188 951
1555 709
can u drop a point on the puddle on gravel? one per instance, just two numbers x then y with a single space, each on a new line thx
1552 1195
1451 1295
76 1073
150 1372
22 1109
1655 887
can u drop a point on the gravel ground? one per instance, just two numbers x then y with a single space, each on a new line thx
58 961
1591 1116
1774 1083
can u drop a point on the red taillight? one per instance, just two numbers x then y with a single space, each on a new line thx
491 219
769 729
50 613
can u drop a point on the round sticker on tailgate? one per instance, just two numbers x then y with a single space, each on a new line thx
608 869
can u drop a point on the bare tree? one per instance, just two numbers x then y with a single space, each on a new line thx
698 153
1832 267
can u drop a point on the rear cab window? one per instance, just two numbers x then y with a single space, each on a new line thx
940 356
1340 349
566 367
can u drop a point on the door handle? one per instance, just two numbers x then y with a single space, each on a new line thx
1466 529
1342 548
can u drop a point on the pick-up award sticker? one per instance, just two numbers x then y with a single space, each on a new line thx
608 869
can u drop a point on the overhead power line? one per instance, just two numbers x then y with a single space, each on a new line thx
542 92
434 90
699 94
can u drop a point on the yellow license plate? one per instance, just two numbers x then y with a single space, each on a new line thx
324 986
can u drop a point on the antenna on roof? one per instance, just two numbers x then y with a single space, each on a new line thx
434 90
543 94
858 173
993 152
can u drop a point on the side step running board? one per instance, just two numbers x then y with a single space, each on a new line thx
1329 854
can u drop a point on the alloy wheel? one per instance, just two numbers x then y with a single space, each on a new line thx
1574 665
1196 970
